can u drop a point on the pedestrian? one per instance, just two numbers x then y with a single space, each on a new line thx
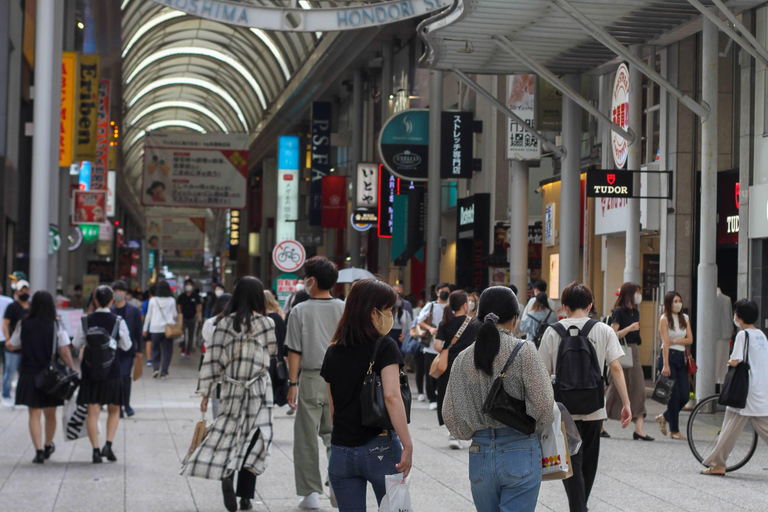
539 314
160 312
241 435
407 304
4 303
279 385
311 327
676 336
300 297
455 315
538 286
78 301
472 300
368 317
403 320
190 308
144 308
504 464
290 302
429 319
132 317
102 333
577 300
750 344
626 324
14 313
34 338
218 291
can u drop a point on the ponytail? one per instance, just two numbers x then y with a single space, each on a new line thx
448 314
487 345
455 301
497 305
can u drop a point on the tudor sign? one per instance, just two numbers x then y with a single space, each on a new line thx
620 115
609 183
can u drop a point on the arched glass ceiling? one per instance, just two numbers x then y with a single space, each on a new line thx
179 104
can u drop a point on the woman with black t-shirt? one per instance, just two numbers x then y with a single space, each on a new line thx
626 323
367 318
453 318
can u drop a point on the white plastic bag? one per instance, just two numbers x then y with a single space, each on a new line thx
398 497
73 420
555 457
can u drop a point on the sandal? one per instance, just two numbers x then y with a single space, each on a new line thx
662 424
678 435
711 471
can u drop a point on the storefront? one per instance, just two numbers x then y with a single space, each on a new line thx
473 228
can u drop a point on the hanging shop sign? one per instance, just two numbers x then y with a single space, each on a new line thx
84 176
549 225
195 170
728 207
549 107
297 19
320 158
365 217
54 240
367 185
90 207
308 235
334 202
473 227
456 132
620 114
389 187
362 227
111 183
409 226
74 238
287 187
101 162
758 211
289 255
602 183
90 233
67 117
521 99
285 285
404 144
87 107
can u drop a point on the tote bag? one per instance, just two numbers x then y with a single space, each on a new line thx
736 383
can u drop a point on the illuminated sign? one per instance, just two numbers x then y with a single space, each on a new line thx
287 188
67 117
389 187
87 107
101 162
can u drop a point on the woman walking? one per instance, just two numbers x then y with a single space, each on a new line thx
626 324
403 320
504 464
449 345
238 356
676 336
160 312
362 329
36 336
539 313
279 381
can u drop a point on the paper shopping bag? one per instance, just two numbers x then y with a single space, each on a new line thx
555 457
201 430
138 369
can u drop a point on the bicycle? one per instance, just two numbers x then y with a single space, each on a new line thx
289 254
704 426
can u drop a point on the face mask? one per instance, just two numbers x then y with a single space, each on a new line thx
119 296
399 304
308 288
300 287
678 307
387 321
218 292
736 323
189 289
444 296
472 305
638 299
23 297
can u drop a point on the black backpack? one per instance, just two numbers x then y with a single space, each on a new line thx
579 383
541 329
100 349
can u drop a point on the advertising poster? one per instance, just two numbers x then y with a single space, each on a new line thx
521 99
334 202
90 207
67 117
176 233
101 163
111 184
87 107
195 170
287 187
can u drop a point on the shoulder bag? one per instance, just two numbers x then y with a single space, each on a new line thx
506 409
172 331
627 360
422 334
440 363
736 384
690 362
662 392
57 379
372 403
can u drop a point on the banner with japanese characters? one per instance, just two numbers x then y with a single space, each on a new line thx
177 233
456 132
367 185
195 170
521 99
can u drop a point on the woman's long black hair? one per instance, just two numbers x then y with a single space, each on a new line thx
163 289
42 307
455 301
356 325
501 302
247 297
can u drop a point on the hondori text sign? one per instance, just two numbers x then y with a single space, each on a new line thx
296 19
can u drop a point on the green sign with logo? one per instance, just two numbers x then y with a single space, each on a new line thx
90 233
404 144
54 241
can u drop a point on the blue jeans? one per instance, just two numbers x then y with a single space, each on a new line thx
680 393
350 470
504 470
12 360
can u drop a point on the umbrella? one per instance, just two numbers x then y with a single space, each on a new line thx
350 275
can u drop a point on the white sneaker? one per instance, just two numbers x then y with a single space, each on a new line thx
310 502
422 398
453 443
7 402
432 406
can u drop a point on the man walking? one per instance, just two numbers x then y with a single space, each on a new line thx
14 313
429 318
190 308
132 317
311 327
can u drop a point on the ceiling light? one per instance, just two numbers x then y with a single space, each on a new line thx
172 123
157 20
180 104
275 51
80 25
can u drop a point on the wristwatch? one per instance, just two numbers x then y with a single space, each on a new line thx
290 384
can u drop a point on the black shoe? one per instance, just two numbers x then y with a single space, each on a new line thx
129 411
605 435
108 453
96 456
637 436
228 490
122 415
48 450
156 374
39 457
245 504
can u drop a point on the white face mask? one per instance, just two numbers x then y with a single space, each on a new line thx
677 307
189 288
300 287
736 323
218 292
638 299
308 288
472 305
119 296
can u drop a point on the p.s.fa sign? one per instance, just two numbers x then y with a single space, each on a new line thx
609 183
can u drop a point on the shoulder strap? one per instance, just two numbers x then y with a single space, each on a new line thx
238 351
587 327
511 359
548 315
116 328
461 330
373 356
746 346
84 321
55 338
560 329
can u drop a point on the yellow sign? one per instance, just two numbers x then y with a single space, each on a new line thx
87 107
67 118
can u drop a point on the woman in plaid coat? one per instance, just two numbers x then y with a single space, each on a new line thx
238 357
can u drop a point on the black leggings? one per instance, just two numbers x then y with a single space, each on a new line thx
246 481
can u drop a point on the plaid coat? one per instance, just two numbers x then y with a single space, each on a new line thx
246 401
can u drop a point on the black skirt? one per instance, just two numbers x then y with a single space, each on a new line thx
27 394
102 392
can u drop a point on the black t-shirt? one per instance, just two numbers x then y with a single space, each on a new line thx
189 304
344 368
14 312
626 317
446 332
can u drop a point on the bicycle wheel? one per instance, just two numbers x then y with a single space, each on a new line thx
704 428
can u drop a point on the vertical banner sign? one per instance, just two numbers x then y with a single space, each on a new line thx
101 163
389 187
367 186
233 233
521 99
87 107
334 202
456 145
321 158
620 114
287 188
67 118
111 183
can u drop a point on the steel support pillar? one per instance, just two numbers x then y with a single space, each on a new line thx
518 227
387 73
606 163
746 123
355 157
570 190
55 174
634 160
434 194
752 46
706 307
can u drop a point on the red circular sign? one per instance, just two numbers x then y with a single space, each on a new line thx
289 255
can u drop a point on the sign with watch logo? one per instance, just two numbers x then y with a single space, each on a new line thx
609 183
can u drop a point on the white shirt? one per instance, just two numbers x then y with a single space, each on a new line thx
161 311
757 357
124 341
607 349
208 329
62 336
436 310
4 303
674 332
528 307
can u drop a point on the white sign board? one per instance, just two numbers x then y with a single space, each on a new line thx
287 188
178 233
549 225
758 211
620 115
111 183
289 255
367 185
611 215
197 170
521 100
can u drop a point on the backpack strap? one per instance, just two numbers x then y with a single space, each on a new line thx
116 328
746 346
588 327
560 329
511 359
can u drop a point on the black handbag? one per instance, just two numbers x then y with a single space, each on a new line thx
507 409
662 392
57 379
736 383
372 403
